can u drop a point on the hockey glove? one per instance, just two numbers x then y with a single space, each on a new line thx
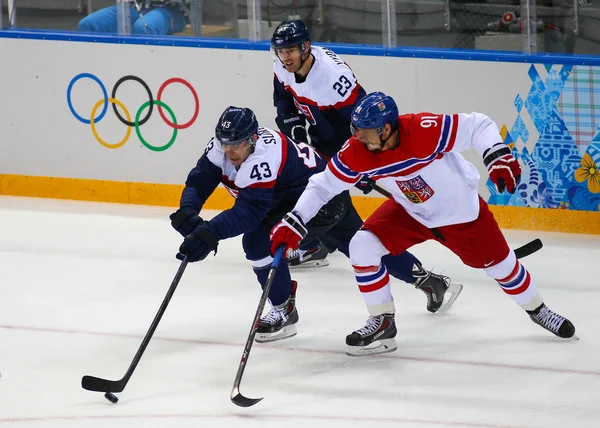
293 125
365 184
197 245
185 220
504 169
289 232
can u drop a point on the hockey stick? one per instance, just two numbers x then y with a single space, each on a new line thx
92 383
523 251
236 396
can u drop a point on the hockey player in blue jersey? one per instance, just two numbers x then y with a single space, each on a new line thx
267 173
314 86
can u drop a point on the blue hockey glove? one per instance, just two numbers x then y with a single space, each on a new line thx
197 245
365 184
185 220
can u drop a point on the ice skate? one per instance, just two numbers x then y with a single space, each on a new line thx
376 337
439 289
280 322
553 322
315 257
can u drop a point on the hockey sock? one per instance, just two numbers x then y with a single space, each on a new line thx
374 285
516 281
282 284
401 266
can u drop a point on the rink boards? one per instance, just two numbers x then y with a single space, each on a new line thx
61 135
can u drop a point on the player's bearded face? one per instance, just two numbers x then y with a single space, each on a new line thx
237 153
291 58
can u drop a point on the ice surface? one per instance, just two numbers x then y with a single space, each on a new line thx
80 283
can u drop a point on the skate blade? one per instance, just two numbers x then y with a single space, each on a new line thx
565 339
284 333
450 296
379 347
311 264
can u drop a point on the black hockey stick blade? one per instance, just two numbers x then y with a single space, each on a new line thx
239 400
97 384
529 248
92 383
236 396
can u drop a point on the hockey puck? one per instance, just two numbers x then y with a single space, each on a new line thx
111 397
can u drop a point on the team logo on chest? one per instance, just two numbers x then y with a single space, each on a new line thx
306 112
416 189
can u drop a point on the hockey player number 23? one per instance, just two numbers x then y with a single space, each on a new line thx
342 90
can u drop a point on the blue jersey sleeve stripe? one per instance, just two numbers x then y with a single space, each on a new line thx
445 133
343 169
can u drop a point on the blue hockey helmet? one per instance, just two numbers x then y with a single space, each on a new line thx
290 33
236 125
373 112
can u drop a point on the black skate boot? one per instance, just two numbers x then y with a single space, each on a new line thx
315 257
436 288
552 321
280 322
377 337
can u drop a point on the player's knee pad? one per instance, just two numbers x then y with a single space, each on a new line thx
366 249
502 269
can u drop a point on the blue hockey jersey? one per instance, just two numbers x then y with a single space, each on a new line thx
326 98
274 175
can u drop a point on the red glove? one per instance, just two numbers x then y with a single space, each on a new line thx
289 232
504 169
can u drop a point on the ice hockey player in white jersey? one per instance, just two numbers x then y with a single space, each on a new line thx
266 172
313 85
416 157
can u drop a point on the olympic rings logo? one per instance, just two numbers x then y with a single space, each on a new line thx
137 122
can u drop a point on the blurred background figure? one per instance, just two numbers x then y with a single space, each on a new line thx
152 17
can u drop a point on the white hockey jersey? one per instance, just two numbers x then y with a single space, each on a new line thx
271 163
326 98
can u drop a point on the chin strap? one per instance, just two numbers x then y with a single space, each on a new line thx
302 61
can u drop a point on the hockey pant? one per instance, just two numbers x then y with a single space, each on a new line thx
479 244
